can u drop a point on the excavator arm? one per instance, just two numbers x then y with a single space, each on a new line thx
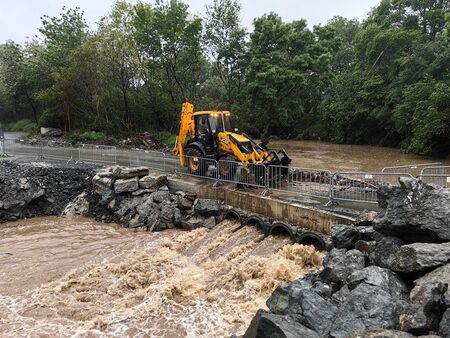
186 128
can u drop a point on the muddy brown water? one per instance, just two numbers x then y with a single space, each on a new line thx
77 277
344 157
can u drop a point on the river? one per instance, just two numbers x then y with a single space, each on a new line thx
77 277
345 157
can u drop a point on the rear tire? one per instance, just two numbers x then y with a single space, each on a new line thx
196 165
227 168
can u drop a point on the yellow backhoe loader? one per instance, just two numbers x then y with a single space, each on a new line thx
207 135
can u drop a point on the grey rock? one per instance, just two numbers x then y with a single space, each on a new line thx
140 192
185 202
384 251
438 275
414 212
124 172
366 247
192 223
177 217
341 295
152 181
210 222
381 277
207 207
304 304
339 264
126 185
167 212
444 326
161 196
383 334
107 196
427 304
344 236
268 325
366 218
420 257
102 184
36 196
367 307
368 233
78 207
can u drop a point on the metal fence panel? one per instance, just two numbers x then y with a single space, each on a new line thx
97 154
412 169
198 167
59 151
361 186
436 175
152 159
252 174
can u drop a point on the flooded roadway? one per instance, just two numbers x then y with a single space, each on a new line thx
345 157
76 277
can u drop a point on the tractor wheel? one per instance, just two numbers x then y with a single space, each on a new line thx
227 168
196 164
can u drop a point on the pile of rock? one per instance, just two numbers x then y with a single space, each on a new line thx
136 198
386 278
39 189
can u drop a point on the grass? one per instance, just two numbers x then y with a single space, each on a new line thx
167 138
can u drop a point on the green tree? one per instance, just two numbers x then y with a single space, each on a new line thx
225 41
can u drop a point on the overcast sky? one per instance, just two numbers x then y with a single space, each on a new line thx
20 19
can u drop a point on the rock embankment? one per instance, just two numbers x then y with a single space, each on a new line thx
387 276
39 189
136 198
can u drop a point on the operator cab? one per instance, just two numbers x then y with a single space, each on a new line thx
208 125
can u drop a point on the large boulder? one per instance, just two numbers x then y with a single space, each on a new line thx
444 326
304 304
381 277
268 325
161 196
125 172
78 207
102 184
126 185
420 257
383 334
207 207
152 181
344 236
366 307
383 251
339 264
427 304
366 218
414 212
438 275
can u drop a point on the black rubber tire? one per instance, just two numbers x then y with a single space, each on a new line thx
227 171
195 163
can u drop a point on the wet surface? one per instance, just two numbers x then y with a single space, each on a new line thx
74 276
342 157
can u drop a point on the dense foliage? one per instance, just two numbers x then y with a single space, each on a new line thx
383 81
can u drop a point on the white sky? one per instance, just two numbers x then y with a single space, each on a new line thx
20 19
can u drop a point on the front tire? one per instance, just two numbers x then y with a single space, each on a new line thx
195 162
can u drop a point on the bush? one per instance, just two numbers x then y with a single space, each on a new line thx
89 136
167 138
26 126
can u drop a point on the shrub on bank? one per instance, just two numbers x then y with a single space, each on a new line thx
167 138
26 125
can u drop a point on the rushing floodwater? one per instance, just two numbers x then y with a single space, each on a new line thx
342 157
74 276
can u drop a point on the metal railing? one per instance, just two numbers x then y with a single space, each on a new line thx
436 175
412 169
97 154
317 183
361 186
